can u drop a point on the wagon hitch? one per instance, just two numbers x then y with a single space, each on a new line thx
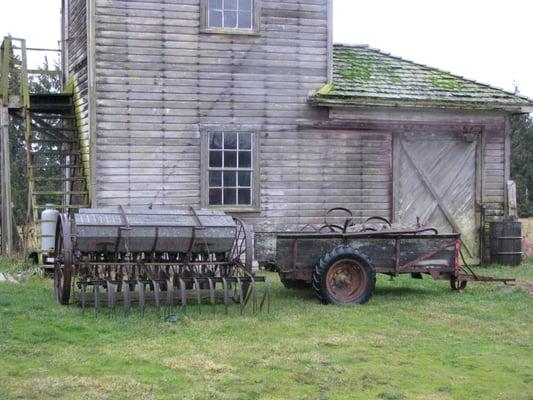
467 274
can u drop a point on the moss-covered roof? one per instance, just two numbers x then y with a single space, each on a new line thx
366 76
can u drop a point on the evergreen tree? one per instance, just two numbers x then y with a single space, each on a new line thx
522 162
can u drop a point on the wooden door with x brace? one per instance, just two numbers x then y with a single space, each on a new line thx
436 181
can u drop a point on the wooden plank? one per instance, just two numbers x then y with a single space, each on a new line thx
440 203
7 213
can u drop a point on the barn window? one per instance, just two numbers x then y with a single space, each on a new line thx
230 170
230 16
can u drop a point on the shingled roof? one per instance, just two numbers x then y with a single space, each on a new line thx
367 76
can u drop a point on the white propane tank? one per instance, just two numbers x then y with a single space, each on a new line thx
48 228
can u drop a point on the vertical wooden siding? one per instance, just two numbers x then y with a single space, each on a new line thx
161 84
77 70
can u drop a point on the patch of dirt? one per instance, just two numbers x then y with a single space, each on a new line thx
526 285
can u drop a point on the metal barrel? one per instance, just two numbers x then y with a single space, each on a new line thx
506 242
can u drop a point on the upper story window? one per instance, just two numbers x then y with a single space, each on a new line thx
230 16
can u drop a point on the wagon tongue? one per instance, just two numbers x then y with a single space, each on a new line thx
462 277
466 274
169 258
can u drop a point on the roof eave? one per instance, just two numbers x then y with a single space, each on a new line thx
400 103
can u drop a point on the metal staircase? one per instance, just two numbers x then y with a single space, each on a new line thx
56 175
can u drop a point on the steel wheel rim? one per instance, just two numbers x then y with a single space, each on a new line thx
63 260
241 251
346 280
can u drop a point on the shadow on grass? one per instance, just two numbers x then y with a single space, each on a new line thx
405 291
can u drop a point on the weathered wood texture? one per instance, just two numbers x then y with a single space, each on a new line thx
437 183
484 168
6 214
323 169
297 254
161 84
77 54
489 127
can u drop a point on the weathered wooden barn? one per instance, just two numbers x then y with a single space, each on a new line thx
245 105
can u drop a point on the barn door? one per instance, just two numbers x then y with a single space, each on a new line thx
435 180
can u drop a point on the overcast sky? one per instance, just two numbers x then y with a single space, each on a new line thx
487 40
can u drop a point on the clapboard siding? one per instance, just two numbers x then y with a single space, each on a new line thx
492 128
161 84
76 40
494 185
303 175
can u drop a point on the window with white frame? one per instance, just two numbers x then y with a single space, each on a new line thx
230 172
237 16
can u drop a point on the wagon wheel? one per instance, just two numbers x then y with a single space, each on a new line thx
457 284
241 252
63 260
344 276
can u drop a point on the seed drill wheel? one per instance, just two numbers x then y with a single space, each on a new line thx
63 260
241 252
344 276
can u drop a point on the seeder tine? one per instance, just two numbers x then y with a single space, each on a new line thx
198 294
266 297
170 295
183 293
96 291
254 294
226 294
212 292
83 295
141 298
110 296
126 294
241 298
157 292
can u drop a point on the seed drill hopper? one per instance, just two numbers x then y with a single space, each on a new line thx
112 256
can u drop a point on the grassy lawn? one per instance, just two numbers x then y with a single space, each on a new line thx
413 340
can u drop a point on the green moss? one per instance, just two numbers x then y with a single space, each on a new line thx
395 79
356 72
72 88
326 89
444 82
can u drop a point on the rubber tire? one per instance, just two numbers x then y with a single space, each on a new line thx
457 287
294 284
328 260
